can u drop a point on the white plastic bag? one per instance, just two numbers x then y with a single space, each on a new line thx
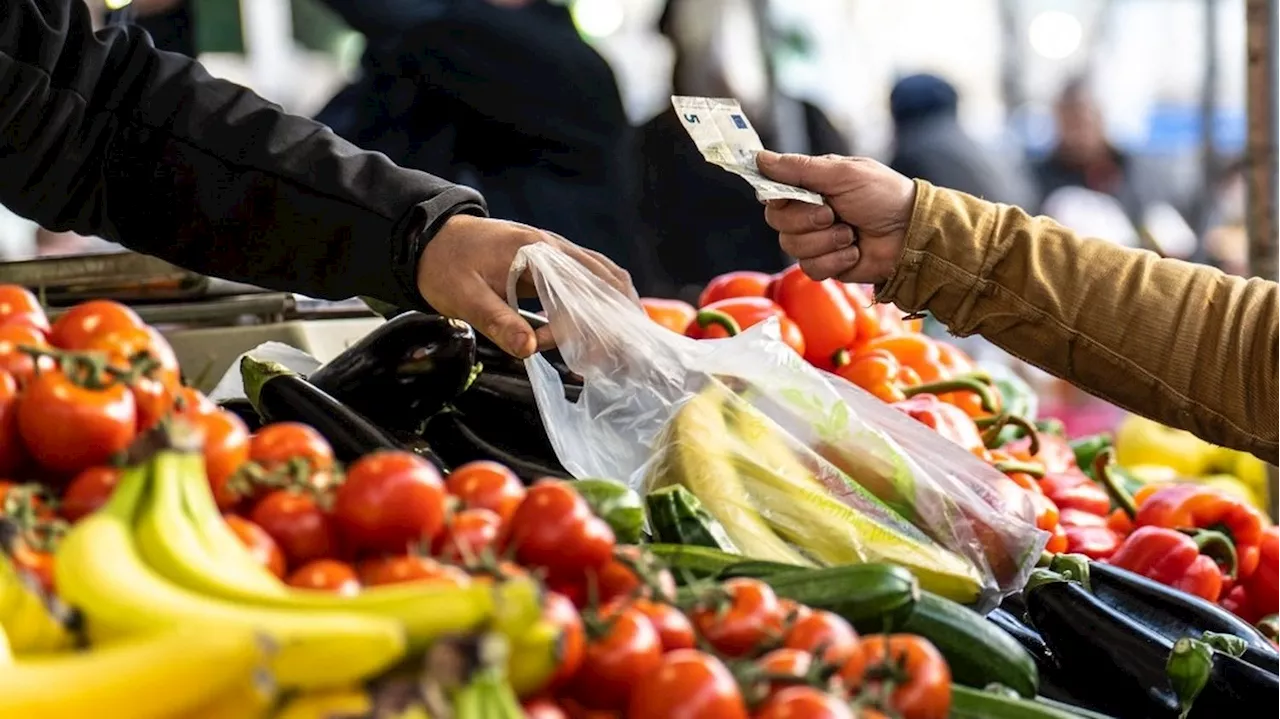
641 381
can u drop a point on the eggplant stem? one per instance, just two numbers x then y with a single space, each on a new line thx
1188 667
1118 495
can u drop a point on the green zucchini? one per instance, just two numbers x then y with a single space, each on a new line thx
617 504
861 593
689 561
978 652
678 517
968 703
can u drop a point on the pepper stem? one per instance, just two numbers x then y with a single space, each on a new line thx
1270 627
994 424
1034 469
958 384
1217 546
706 318
841 357
1118 495
1188 668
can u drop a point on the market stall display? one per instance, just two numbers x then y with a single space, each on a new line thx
398 533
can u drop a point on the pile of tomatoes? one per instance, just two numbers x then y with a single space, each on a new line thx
727 651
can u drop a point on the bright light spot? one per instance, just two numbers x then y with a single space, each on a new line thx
117 4
598 18
1055 34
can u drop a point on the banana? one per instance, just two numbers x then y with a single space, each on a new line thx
98 569
6 654
250 697
184 538
156 677
697 456
33 625
327 704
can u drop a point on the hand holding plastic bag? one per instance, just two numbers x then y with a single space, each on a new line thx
797 464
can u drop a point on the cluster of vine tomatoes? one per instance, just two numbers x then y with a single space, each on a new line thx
729 651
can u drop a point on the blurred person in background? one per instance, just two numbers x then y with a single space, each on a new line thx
1084 158
699 220
930 144
503 96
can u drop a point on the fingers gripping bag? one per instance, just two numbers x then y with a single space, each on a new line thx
797 465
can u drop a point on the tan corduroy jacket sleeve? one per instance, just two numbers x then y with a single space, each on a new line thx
1183 344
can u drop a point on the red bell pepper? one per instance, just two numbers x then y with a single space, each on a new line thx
1192 506
1080 518
735 284
1238 602
1056 455
947 420
1074 490
1092 541
1176 559
822 311
728 317
1262 585
1057 540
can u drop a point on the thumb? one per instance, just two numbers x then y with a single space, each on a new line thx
496 320
813 173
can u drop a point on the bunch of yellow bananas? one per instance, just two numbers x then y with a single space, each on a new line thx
173 604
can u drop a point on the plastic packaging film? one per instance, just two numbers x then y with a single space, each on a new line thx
797 465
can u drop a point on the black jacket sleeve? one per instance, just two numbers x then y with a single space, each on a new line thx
102 134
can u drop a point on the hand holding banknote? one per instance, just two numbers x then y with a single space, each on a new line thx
858 235
726 138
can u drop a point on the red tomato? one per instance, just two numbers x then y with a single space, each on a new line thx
328 575
555 529
560 611
122 345
627 650
469 535
623 576
67 428
277 444
672 314
301 528
154 400
675 631
13 359
389 501
923 692
739 622
402 568
79 326
688 684
824 634
190 403
12 454
792 611
543 708
88 491
261 546
486 485
18 301
820 309
226 449
805 703
784 662
735 284
573 588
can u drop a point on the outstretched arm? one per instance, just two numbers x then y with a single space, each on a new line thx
1183 344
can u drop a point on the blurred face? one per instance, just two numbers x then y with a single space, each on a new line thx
1080 131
